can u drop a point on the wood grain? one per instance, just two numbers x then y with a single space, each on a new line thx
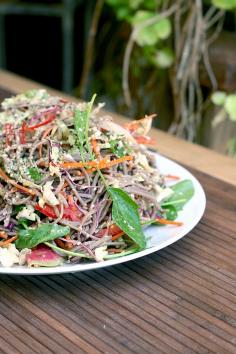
181 299
192 155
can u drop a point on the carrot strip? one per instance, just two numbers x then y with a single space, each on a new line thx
95 147
7 242
172 177
45 134
7 179
69 165
169 222
115 237
134 125
104 163
3 234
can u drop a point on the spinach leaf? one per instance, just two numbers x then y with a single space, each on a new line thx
183 192
35 174
30 238
81 123
125 214
171 212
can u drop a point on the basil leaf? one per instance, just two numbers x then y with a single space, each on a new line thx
35 174
183 192
125 215
45 232
81 123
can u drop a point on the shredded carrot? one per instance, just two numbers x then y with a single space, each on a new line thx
134 125
7 179
3 234
7 242
69 165
115 237
22 188
172 177
169 222
95 147
45 134
104 163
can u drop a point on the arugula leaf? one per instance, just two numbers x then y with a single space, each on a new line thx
81 123
183 192
35 174
125 214
117 150
30 238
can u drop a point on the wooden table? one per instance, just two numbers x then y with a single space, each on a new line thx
179 300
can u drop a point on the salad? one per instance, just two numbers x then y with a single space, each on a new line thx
75 186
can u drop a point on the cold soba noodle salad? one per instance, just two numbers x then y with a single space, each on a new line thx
75 186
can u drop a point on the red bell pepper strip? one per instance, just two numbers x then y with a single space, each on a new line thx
46 210
51 118
111 230
23 130
70 213
142 139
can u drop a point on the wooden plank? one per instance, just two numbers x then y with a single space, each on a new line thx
179 300
192 155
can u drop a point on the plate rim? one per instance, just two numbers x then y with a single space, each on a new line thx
72 268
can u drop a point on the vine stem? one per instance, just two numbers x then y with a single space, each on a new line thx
130 45
88 58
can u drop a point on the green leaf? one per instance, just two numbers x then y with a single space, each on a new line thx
163 28
171 212
150 35
218 98
81 123
230 106
35 174
183 192
45 232
224 4
231 147
118 150
31 93
125 214
164 58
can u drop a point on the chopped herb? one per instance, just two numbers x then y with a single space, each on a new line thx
35 174
81 123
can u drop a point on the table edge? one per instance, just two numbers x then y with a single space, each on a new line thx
189 154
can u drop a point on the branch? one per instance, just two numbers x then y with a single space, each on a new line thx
88 58
130 45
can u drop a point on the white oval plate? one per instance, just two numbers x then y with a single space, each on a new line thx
158 236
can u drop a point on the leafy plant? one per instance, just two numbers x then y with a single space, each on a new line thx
227 102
